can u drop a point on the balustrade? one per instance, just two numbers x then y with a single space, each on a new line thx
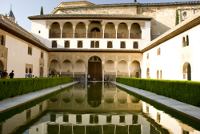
122 35
67 35
95 35
135 35
80 35
54 35
109 35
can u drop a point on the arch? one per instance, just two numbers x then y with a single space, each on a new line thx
109 95
54 44
109 31
80 44
122 97
135 69
55 31
122 68
67 31
187 71
54 98
109 44
148 73
94 94
135 31
92 44
133 99
123 44
187 40
79 70
95 30
79 94
135 45
66 68
80 31
95 68
67 44
122 31
109 70
41 71
54 67
97 44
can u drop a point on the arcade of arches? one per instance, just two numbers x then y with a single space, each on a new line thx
100 66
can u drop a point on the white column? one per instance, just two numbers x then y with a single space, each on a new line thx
60 71
73 72
103 75
86 75
87 31
129 32
74 31
61 33
116 28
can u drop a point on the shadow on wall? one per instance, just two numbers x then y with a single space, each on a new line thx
158 28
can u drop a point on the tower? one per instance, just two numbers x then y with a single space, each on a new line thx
11 15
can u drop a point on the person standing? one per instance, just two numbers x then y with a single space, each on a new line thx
11 74
88 77
26 75
5 74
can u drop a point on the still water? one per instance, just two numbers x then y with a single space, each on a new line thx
93 108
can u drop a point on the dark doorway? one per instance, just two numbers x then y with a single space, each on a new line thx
41 72
1 66
189 72
95 68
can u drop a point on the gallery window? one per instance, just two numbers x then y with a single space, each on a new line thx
158 51
92 44
80 44
29 50
67 44
185 41
2 40
42 55
109 44
54 44
135 45
147 55
123 45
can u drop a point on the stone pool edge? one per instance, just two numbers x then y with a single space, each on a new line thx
184 108
21 99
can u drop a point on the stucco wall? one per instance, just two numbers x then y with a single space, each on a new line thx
171 60
18 57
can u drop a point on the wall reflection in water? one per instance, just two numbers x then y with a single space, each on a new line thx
94 108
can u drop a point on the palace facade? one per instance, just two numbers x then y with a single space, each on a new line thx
106 41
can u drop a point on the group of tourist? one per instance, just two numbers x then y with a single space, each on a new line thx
4 74
29 75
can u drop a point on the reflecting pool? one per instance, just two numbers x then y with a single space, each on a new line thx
95 108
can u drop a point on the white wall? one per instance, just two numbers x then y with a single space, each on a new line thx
170 61
18 57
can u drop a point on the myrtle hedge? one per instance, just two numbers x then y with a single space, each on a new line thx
13 87
184 91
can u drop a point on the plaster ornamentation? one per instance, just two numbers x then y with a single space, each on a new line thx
123 57
66 57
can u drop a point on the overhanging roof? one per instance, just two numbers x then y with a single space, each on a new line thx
90 16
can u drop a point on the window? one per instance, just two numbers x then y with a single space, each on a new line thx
123 45
92 44
121 119
158 51
80 44
78 118
160 74
42 55
158 117
109 44
157 74
109 119
97 44
29 50
147 55
135 119
40 107
135 45
2 42
185 132
65 118
67 44
52 117
28 114
54 44
187 40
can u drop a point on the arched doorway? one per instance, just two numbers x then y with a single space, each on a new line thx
95 68
54 67
41 71
187 71
135 69
1 66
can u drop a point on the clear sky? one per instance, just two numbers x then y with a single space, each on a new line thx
24 8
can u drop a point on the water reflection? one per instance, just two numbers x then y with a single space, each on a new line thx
94 108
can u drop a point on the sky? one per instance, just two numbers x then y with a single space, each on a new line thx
24 8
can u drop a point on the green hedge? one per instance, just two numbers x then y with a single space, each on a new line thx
184 91
13 87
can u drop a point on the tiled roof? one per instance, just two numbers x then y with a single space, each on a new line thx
10 14
90 16
128 4
18 31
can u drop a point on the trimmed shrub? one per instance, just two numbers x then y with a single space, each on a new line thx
184 91
13 87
